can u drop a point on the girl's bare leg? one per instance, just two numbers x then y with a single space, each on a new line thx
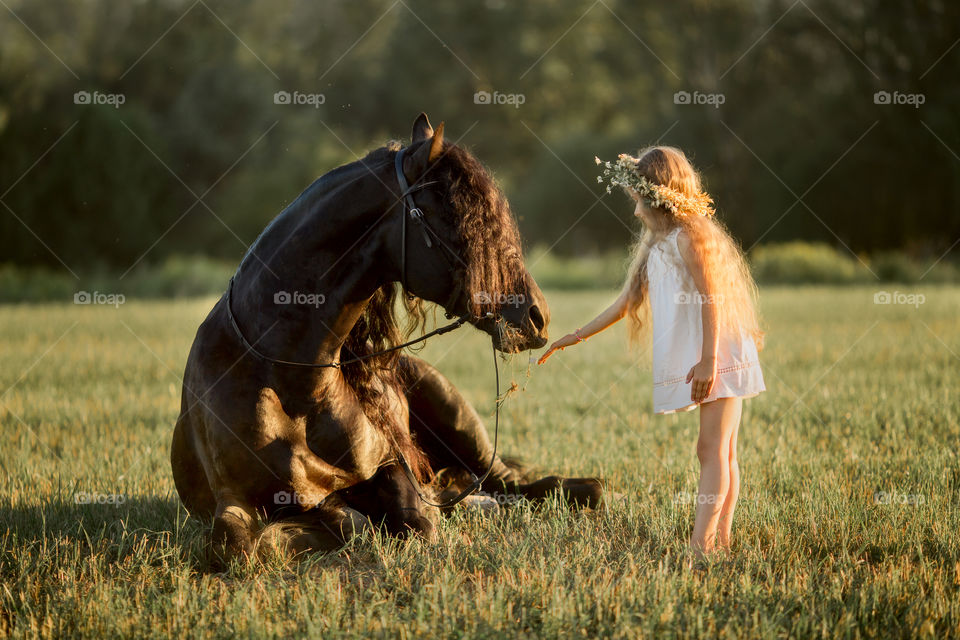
717 422
730 504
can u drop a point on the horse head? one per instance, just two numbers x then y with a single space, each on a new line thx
461 247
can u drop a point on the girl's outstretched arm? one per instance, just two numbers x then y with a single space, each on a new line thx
704 373
609 316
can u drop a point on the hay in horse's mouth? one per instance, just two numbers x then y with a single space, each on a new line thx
510 338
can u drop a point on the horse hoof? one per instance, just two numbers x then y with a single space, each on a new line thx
355 523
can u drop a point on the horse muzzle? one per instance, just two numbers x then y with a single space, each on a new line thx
509 336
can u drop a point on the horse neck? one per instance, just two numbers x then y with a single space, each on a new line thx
309 277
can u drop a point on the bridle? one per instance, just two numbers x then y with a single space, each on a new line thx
409 209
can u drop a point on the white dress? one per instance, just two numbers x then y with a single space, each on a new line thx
678 337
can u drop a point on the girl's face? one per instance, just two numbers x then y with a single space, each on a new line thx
651 218
641 211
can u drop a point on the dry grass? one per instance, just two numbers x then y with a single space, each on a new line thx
862 405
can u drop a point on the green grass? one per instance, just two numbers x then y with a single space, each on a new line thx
862 398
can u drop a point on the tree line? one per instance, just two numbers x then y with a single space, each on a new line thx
130 132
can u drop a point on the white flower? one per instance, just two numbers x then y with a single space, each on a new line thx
623 173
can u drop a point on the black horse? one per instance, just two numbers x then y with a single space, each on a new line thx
318 453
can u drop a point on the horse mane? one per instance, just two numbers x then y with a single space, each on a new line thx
489 244
489 241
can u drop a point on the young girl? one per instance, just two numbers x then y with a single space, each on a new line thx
689 272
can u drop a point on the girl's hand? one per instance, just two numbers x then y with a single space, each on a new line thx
566 341
702 375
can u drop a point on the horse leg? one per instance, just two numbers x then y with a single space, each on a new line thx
326 527
448 428
577 492
188 473
389 497
235 528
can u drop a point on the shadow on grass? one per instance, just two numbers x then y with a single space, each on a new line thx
152 529
155 530
111 527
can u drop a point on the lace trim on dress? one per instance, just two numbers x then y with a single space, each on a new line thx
720 371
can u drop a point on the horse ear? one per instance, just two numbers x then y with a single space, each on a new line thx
421 128
432 148
436 146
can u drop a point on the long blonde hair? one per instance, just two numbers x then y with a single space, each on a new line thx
728 278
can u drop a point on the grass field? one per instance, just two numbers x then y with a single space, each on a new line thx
847 527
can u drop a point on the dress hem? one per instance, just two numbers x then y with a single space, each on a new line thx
740 380
691 407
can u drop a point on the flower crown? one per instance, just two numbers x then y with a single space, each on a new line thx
623 173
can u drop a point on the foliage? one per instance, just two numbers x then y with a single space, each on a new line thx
799 262
598 271
794 263
175 277
817 263
199 157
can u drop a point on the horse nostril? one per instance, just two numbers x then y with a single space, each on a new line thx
536 318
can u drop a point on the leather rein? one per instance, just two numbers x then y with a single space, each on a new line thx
409 209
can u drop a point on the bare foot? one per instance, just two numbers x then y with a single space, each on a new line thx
695 559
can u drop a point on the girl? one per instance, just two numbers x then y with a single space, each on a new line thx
689 272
